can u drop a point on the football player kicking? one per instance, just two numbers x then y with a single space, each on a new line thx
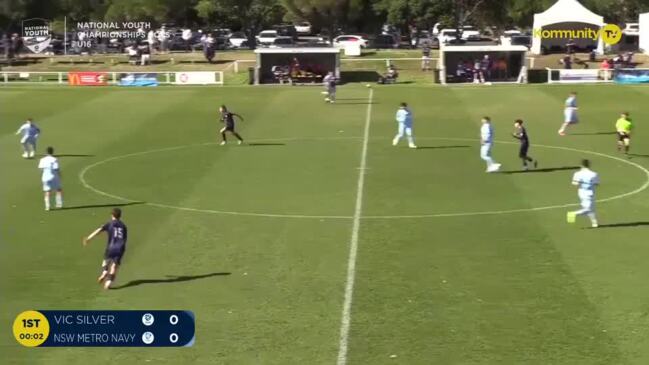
115 247
227 117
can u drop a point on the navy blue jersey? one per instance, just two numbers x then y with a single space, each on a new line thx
521 134
117 235
228 119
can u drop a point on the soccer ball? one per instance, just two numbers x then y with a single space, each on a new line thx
368 85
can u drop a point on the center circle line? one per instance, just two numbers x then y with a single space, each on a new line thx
84 171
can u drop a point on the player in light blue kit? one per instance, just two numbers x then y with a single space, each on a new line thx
29 132
486 141
404 119
51 178
586 180
569 113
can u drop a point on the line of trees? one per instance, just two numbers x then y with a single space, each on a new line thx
347 15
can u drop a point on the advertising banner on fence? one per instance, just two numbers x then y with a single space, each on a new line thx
578 76
195 78
632 76
149 79
88 78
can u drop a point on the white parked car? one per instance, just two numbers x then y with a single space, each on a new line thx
469 33
303 28
343 40
237 39
506 38
266 37
446 35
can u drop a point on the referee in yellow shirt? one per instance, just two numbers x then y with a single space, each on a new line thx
623 126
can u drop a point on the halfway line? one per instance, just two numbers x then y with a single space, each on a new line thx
353 244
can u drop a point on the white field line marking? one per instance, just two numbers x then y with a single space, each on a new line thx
84 171
644 186
345 321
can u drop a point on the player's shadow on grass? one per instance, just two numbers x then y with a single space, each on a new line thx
170 279
626 224
593 134
114 205
547 169
262 144
441 147
637 155
357 102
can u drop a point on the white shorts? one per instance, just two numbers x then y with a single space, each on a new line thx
587 201
485 151
54 184
570 116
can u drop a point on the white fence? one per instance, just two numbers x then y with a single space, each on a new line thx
579 76
111 77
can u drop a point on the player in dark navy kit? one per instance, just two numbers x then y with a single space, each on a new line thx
227 117
521 134
115 248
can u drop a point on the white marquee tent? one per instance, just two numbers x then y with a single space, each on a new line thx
566 15
644 33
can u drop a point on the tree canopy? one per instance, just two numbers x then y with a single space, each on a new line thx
349 15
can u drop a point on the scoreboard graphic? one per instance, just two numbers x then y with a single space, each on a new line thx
131 328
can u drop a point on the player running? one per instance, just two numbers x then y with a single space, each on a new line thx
623 126
404 119
115 247
569 113
51 178
486 140
586 180
227 117
30 133
329 83
520 133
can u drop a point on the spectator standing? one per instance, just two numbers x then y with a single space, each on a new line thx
570 46
16 45
163 38
486 66
187 37
208 47
150 37
425 56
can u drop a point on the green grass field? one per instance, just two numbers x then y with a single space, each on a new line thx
453 265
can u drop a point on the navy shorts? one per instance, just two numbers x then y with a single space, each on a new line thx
229 127
621 136
522 152
114 255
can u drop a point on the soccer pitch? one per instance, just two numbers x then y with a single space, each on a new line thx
263 241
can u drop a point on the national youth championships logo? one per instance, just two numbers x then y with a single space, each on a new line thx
37 34
610 33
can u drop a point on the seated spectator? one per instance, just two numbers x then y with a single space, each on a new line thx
460 71
390 77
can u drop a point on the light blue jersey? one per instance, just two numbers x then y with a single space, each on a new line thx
29 131
571 102
487 133
50 167
404 116
587 180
